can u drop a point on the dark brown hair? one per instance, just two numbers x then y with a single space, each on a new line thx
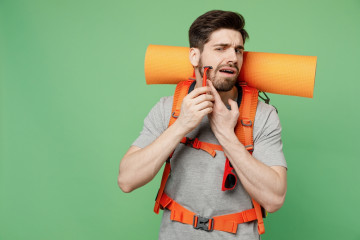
201 29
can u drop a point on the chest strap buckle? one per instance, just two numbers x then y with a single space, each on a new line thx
202 223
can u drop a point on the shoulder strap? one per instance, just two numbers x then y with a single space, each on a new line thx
245 124
244 132
182 89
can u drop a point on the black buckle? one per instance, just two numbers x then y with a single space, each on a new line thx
202 223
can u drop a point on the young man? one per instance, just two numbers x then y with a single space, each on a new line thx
210 114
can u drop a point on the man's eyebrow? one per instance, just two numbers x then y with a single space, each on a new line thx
226 45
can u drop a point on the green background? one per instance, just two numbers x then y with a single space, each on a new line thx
73 99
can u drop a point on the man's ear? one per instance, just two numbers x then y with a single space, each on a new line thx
194 56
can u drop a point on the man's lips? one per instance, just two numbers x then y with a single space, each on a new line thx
228 70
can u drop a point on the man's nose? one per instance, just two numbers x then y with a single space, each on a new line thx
232 56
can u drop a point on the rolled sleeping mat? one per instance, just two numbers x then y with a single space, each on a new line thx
268 72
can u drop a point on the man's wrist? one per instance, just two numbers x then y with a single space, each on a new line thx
226 137
179 129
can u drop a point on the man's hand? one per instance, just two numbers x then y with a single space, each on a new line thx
145 163
194 107
267 185
222 120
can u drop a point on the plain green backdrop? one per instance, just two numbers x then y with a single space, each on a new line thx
73 99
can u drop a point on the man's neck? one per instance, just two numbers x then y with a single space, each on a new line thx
232 94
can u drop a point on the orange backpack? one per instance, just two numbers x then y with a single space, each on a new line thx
244 132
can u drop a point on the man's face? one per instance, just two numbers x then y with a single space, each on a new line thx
224 52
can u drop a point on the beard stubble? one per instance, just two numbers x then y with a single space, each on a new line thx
221 84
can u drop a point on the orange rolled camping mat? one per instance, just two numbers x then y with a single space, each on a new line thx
268 72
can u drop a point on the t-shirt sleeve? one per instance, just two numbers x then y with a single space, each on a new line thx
155 124
267 138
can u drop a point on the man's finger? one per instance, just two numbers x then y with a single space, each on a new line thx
204 105
198 91
214 92
202 98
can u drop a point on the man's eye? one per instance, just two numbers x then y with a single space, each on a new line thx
219 49
238 50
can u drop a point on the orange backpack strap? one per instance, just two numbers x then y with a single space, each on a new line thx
245 124
225 223
244 132
181 91
164 179
205 146
259 217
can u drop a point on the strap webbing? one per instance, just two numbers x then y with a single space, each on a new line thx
245 124
226 223
164 179
259 217
181 91
244 132
205 146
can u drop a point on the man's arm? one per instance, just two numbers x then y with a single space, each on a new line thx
140 165
267 185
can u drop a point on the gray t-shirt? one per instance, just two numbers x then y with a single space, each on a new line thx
196 177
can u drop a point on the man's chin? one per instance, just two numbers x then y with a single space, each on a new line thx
223 89
225 85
